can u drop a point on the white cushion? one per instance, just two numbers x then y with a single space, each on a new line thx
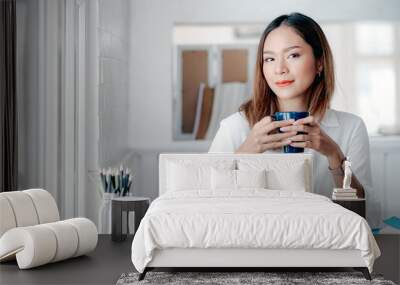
223 179
23 208
32 246
251 178
237 179
188 175
67 239
26 208
288 178
40 244
31 233
7 220
87 233
282 174
45 205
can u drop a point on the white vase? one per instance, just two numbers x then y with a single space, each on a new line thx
105 214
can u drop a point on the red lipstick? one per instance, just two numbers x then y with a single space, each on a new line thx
284 83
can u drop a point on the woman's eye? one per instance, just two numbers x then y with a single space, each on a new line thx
268 59
293 55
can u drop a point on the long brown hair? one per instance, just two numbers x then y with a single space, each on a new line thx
264 102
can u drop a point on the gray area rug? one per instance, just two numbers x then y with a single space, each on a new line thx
226 278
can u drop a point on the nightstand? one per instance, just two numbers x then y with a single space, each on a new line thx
122 206
355 205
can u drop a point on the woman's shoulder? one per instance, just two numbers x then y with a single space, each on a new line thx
341 118
235 120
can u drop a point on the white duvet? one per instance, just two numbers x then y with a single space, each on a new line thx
251 218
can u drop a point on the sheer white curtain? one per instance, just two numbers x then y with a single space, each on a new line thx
39 98
50 71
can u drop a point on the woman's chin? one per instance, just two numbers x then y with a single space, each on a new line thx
286 96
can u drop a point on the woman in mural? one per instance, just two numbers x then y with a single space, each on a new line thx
294 72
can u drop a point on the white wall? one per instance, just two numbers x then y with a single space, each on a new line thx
151 50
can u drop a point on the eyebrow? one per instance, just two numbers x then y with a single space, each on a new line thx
285 50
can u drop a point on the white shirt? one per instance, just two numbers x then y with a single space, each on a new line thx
346 129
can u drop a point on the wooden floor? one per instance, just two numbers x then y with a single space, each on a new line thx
102 266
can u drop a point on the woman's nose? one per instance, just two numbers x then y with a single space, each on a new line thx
280 67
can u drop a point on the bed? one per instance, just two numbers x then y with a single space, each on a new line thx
245 211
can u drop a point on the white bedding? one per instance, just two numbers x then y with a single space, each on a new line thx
250 218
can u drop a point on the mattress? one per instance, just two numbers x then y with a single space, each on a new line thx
251 219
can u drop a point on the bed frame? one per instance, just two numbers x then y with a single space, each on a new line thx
242 259
246 259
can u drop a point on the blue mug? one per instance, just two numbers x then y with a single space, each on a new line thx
281 116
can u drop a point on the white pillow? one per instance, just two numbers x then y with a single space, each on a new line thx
251 178
237 179
282 174
288 179
223 179
188 175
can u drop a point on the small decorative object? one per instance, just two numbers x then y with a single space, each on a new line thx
115 183
347 174
346 192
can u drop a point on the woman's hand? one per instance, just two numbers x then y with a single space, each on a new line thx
315 138
263 136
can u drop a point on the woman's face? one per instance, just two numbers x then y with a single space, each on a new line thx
289 65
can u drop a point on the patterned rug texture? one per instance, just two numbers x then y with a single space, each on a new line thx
229 278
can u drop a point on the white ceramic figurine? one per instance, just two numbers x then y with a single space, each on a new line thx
347 174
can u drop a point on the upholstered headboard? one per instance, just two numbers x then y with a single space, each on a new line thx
283 164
